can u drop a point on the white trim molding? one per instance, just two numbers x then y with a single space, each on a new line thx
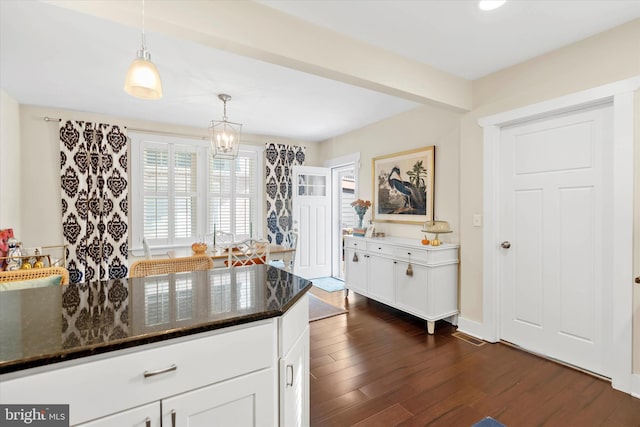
471 327
621 96
635 386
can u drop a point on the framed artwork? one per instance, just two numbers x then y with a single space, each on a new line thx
403 185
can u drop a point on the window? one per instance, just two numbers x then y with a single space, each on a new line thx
180 192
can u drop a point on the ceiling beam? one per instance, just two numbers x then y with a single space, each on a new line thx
259 32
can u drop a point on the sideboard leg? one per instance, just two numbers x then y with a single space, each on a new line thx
431 327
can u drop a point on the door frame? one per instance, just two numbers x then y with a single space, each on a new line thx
336 233
621 95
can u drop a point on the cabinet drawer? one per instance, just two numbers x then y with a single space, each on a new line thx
379 248
428 256
200 360
354 243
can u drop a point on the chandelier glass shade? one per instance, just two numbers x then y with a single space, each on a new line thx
225 135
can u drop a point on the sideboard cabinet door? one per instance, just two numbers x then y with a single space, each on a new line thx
356 271
411 291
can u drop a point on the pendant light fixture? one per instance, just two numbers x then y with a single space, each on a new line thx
224 135
143 79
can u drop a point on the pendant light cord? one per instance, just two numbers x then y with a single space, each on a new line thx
144 47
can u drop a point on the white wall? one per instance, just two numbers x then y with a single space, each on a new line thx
39 186
9 163
418 128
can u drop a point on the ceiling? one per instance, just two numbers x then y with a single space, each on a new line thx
56 57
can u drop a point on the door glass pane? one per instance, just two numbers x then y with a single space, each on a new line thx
312 185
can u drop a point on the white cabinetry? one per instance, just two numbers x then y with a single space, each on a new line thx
429 289
294 366
357 266
142 416
230 376
242 402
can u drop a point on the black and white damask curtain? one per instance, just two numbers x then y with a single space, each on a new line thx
93 170
279 160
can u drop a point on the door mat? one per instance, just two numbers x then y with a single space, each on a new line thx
319 309
488 422
329 284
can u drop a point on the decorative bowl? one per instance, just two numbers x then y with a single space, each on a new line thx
199 248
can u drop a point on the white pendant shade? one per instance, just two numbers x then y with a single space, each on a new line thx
143 80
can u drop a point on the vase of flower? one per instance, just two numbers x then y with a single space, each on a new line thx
361 207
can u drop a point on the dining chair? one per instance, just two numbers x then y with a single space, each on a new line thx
152 267
219 239
290 241
248 252
35 273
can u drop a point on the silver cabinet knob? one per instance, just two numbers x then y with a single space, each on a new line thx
505 244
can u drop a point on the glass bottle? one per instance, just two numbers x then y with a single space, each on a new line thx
14 260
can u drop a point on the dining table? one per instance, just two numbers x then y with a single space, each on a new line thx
221 254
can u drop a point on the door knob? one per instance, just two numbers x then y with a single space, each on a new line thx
638 279
505 244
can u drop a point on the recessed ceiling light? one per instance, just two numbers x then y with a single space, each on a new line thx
490 4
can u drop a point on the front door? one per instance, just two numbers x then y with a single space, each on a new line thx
555 264
312 218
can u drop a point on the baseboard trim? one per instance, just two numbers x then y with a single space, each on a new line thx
635 385
471 327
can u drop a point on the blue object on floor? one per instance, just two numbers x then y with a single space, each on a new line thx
488 422
329 284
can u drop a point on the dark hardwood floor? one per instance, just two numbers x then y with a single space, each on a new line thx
376 366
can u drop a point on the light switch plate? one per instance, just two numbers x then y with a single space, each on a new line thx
477 220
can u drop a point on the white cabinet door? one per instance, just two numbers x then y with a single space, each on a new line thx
411 291
294 384
142 416
381 280
356 270
246 401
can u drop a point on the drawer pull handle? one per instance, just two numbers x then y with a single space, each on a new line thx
147 422
173 418
289 370
148 374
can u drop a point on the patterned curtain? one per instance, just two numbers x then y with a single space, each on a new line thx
279 160
93 170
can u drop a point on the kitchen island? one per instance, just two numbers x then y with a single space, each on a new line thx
223 345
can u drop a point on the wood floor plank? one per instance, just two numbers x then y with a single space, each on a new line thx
377 366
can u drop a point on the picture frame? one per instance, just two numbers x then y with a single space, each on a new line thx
403 186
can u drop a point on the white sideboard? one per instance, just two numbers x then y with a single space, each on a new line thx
378 268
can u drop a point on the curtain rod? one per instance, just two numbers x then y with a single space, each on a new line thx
155 132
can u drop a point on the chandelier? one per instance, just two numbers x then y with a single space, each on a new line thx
224 135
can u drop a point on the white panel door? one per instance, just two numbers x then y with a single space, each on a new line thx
312 218
555 259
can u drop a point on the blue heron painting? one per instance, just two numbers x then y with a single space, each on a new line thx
405 184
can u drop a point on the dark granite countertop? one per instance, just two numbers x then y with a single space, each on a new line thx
49 325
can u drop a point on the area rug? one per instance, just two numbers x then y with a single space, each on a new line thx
319 309
488 422
329 284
